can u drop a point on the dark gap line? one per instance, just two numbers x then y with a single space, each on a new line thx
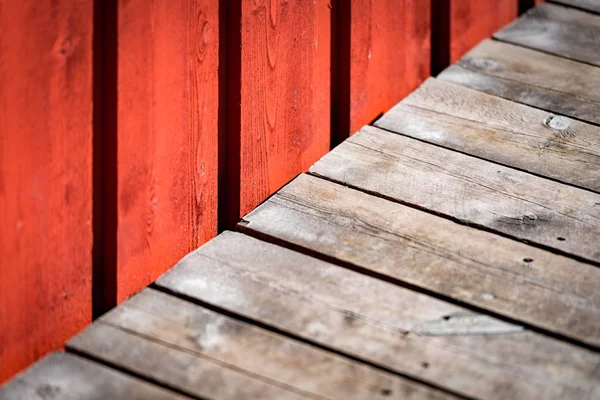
525 5
440 35
340 54
573 6
555 180
130 372
243 228
105 160
230 113
535 87
293 336
462 222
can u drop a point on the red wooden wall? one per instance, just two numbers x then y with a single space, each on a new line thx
167 146
45 176
131 131
389 55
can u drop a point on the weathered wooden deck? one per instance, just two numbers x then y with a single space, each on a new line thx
452 250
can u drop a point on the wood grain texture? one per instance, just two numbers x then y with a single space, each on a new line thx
285 91
589 5
474 20
396 328
530 77
558 30
69 377
201 377
167 135
499 130
45 177
380 75
470 190
485 270
293 368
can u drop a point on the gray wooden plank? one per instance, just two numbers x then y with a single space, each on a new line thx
468 189
390 326
490 272
194 374
559 30
65 376
500 130
530 77
589 5
204 334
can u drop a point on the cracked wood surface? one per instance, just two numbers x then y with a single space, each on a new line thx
405 245
468 189
207 345
558 30
500 130
399 329
530 77
70 377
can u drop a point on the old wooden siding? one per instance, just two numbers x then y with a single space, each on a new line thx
279 57
380 74
45 177
473 20
168 104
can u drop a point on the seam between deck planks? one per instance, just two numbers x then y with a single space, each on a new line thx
189 287
268 238
456 219
292 336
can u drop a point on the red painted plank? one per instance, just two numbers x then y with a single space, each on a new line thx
168 104
283 106
45 176
474 20
389 56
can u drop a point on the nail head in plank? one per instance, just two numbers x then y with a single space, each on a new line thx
530 77
558 30
484 270
500 130
373 320
468 189
298 366
66 376
589 5
199 376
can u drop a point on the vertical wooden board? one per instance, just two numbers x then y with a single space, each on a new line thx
45 176
380 73
285 89
474 20
168 104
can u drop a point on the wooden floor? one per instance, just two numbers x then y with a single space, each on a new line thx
451 250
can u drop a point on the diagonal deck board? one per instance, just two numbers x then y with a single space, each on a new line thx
185 371
468 189
590 5
501 131
399 329
558 30
478 268
69 377
530 77
201 333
